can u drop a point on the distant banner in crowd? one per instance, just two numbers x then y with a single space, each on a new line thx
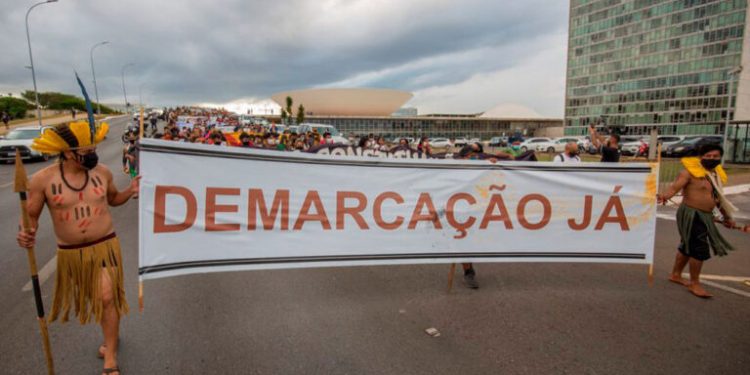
208 209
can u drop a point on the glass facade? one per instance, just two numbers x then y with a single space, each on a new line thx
429 126
640 64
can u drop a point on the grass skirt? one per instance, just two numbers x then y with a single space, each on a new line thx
79 272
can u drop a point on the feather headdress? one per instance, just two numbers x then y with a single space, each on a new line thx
74 135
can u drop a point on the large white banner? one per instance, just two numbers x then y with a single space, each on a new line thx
205 208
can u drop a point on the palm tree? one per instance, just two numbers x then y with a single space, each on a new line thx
289 104
300 114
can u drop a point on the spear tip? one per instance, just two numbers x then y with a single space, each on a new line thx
21 182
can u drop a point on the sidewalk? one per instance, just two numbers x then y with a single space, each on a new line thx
47 121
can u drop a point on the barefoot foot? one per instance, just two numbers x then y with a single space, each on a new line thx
678 280
698 290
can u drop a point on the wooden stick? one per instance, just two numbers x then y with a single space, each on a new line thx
140 129
20 188
140 295
658 167
450 277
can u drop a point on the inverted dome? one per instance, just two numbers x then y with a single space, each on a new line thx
346 101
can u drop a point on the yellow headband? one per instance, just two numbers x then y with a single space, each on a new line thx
66 137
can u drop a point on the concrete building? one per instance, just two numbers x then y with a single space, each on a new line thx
643 64
362 111
438 126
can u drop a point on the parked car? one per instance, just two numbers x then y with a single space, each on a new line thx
631 147
498 142
440 142
322 129
530 143
294 129
668 140
555 145
460 142
19 140
689 146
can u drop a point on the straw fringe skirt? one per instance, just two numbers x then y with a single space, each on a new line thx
78 285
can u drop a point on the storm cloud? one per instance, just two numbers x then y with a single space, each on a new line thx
456 56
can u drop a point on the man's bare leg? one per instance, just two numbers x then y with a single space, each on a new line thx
110 322
695 274
680 261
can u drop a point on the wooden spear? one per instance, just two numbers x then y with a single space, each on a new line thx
20 187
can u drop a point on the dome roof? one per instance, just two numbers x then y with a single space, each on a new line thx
346 101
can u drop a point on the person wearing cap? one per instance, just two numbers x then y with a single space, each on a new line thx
78 192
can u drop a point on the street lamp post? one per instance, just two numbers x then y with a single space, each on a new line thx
93 74
124 93
732 75
31 59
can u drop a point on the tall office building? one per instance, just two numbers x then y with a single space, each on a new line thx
641 64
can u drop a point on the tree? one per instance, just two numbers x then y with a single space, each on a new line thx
59 101
300 114
15 107
283 116
289 104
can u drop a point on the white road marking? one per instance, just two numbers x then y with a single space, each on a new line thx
665 216
44 274
6 185
738 279
726 288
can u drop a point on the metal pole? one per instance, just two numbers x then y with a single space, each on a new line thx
93 73
31 60
124 93
732 74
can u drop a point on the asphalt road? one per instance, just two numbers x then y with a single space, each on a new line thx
525 319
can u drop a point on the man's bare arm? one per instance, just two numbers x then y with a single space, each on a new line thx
679 183
594 136
117 198
34 205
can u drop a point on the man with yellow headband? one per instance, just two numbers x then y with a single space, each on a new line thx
78 192
701 183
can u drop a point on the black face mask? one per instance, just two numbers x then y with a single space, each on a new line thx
710 164
573 154
88 161
246 143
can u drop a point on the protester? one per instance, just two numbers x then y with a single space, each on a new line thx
570 155
610 149
73 113
78 192
6 119
701 184
130 158
424 146
471 151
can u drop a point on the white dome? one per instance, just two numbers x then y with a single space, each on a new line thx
511 110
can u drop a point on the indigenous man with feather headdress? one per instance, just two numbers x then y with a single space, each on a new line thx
78 192
701 183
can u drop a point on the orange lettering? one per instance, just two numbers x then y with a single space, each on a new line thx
417 216
160 203
522 211
312 198
377 208
496 201
355 212
212 208
256 202
586 215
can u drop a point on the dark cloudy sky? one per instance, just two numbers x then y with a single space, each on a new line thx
455 56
